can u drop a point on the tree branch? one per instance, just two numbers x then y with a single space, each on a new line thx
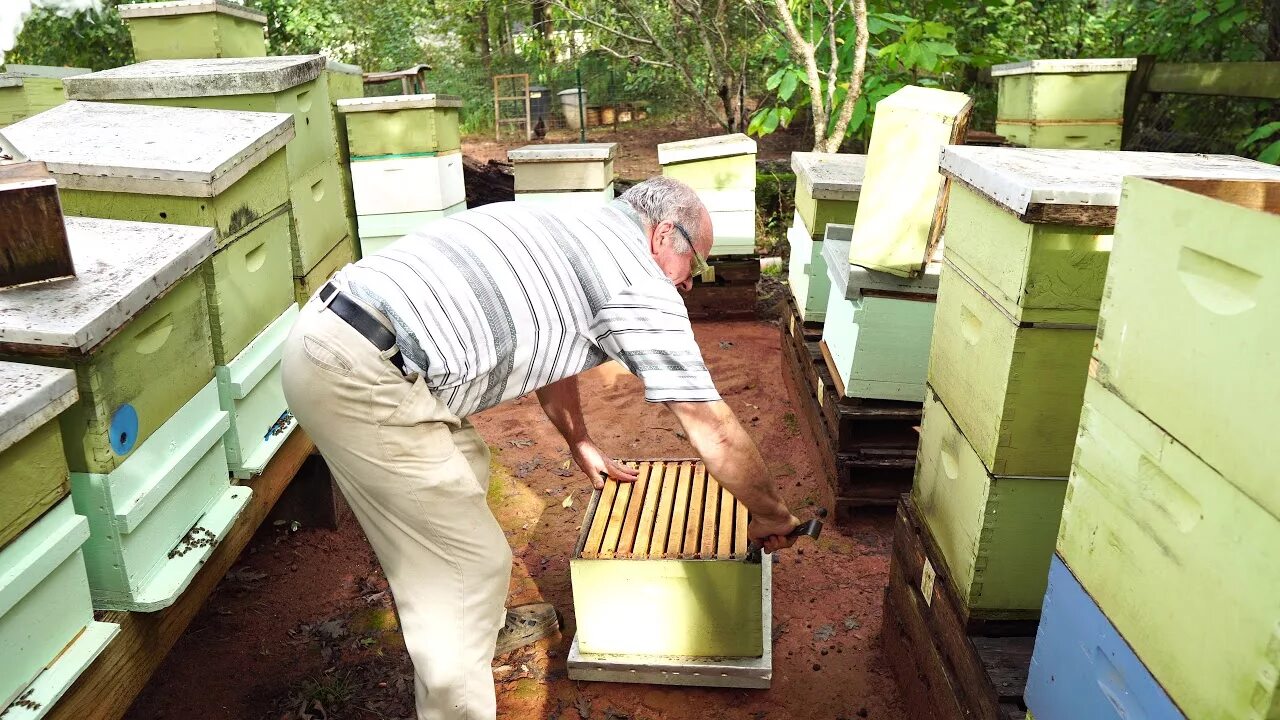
606 28
855 81
632 57
805 52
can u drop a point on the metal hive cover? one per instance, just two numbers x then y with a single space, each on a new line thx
204 77
830 176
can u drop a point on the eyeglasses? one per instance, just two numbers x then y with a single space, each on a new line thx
697 264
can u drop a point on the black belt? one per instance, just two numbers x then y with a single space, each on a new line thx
363 322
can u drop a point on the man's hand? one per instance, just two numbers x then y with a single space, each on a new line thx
771 532
593 462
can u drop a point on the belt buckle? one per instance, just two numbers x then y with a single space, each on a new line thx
326 302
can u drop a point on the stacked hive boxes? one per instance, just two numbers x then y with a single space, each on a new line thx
344 82
222 170
827 190
722 170
406 163
46 616
195 29
292 85
1075 104
1172 508
144 443
568 175
27 90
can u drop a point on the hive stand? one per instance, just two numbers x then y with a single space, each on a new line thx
195 29
27 90
1071 104
145 441
698 614
827 190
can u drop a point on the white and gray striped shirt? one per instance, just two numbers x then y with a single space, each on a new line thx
492 303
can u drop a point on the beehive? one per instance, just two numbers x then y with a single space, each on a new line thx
877 325
1082 667
287 84
676 540
1190 303
827 190
398 126
1076 104
217 169
996 533
47 628
337 259
344 82
379 231
807 273
31 460
27 90
195 29
408 185
1178 557
722 169
250 392
902 205
586 167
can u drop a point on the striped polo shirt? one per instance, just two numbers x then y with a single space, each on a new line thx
491 303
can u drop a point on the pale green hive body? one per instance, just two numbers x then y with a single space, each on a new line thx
379 231
1188 322
1013 390
816 214
339 257
828 186
321 216
731 173
1180 560
995 532
33 470
47 628
401 125
195 29
807 273
344 82
1070 104
249 286
133 326
27 90
249 391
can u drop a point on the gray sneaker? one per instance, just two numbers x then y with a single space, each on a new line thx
527 624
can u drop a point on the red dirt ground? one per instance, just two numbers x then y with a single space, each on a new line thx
304 620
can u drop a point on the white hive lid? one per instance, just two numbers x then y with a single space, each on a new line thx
190 7
566 152
398 102
203 77
149 149
1080 186
830 176
121 267
707 148
30 396
1058 67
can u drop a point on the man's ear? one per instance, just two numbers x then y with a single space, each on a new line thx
660 236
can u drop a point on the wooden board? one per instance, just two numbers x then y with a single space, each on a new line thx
1235 79
33 236
109 686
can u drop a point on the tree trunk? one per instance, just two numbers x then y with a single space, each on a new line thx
1272 12
541 18
486 50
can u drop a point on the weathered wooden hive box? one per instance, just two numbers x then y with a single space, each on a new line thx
722 169
406 163
287 84
1071 104
1027 250
217 169
571 174
903 199
32 465
667 554
878 325
344 82
33 236
827 189
145 440
27 90
195 29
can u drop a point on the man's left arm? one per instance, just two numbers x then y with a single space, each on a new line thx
563 406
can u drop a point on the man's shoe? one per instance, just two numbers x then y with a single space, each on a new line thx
526 624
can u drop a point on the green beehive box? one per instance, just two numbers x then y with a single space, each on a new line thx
1072 104
219 169
32 466
249 391
1191 303
676 540
195 29
563 167
827 188
321 216
401 125
900 210
287 84
344 82
47 628
133 324
339 257
1013 389
996 532
1179 559
722 162
27 90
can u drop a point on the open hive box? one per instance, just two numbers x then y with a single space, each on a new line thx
661 588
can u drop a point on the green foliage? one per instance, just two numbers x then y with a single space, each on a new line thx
374 34
1265 142
95 39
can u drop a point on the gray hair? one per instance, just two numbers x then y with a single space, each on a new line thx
660 199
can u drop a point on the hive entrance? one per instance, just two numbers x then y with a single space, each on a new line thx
675 510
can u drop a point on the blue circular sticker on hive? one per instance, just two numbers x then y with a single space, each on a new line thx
124 429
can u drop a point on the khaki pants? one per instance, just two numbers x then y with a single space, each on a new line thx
416 477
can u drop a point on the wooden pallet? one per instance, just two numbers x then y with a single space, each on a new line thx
948 665
730 295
